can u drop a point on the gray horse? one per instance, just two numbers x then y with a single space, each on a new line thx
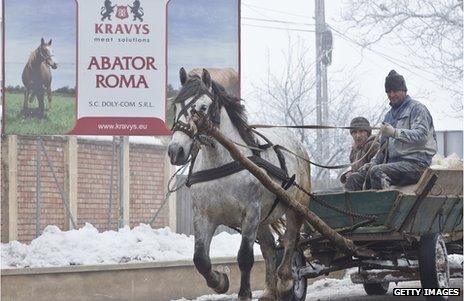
238 200
37 77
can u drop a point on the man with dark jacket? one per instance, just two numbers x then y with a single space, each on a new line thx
411 142
364 145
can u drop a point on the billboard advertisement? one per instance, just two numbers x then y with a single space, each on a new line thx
109 67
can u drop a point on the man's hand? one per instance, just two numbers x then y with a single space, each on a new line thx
387 130
345 176
365 167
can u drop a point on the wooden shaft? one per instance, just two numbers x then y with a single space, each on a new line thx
341 242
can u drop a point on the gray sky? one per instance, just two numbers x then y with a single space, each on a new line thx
206 37
50 19
368 68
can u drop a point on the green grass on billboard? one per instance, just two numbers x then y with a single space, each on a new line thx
58 120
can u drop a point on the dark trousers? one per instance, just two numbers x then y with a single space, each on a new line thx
383 175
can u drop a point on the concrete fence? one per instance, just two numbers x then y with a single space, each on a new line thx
37 183
122 282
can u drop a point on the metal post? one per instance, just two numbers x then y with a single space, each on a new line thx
110 201
124 182
121 182
38 195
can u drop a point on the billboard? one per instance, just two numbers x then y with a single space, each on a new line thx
108 67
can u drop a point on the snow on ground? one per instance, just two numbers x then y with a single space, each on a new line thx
87 246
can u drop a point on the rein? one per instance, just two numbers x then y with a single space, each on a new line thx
312 126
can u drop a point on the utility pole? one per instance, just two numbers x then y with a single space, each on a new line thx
323 58
320 23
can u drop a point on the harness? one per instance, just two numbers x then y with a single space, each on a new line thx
190 129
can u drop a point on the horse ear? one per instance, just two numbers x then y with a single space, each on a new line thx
206 78
183 76
42 41
50 42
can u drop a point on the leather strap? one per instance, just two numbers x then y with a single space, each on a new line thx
234 167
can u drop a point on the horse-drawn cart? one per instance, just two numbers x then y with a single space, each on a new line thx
411 230
394 235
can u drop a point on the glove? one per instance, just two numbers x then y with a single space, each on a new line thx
345 175
365 167
387 130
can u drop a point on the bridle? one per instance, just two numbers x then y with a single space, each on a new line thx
190 129
44 55
200 138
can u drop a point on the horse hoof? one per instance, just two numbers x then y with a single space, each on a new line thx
244 298
223 285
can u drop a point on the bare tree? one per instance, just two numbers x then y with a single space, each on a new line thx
288 98
431 30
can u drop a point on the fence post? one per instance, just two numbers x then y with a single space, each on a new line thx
124 182
9 189
38 187
70 180
169 170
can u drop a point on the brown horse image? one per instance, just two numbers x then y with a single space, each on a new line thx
227 77
37 78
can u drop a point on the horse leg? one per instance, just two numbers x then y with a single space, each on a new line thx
267 245
49 97
204 230
26 100
284 271
245 254
40 99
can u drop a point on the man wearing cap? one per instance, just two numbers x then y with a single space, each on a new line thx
364 145
410 139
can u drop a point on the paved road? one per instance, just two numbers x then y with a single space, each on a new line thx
337 291
359 295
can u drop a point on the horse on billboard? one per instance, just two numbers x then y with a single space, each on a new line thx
37 77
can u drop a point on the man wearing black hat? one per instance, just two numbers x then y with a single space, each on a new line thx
364 145
410 139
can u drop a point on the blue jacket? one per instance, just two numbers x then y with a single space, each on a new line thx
415 138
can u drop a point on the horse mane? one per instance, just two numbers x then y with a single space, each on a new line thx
234 108
32 58
236 112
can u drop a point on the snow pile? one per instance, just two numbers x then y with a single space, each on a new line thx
451 162
87 246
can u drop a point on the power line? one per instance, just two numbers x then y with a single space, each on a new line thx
280 28
278 21
276 11
395 61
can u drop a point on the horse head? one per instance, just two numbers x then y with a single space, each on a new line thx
195 95
46 53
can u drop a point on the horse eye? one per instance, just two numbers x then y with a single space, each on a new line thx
203 108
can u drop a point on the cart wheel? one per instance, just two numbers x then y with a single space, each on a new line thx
299 284
376 289
433 264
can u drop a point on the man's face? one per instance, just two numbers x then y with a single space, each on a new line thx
396 96
359 137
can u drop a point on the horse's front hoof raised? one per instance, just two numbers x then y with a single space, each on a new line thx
223 285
